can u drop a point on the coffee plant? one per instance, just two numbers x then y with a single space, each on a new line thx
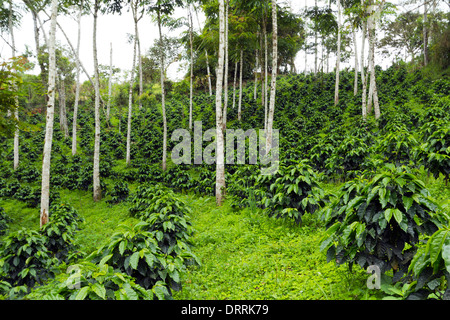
119 192
379 221
25 259
135 251
88 281
293 194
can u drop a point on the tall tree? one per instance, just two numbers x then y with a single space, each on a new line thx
338 54
191 76
273 85
363 76
373 93
220 145
425 32
97 191
45 187
16 111
78 85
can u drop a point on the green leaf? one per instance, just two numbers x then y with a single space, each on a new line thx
446 256
82 293
398 216
382 194
122 246
134 260
105 259
436 243
407 202
130 293
99 290
388 214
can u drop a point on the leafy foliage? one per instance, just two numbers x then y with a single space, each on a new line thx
378 222
430 267
25 259
88 281
294 193
135 251
59 232
119 192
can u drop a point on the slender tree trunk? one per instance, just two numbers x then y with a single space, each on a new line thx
97 191
139 55
208 71
225 104
130 104
355 83
241 64
45 187
315 44
108 106
234 84
273 86
306 44
191 94
373 94
262 75
363 80
16 99
62 109
220 146
77 89
255 92
163 96
266 73
338 56
425 33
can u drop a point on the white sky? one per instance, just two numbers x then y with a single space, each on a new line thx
114 29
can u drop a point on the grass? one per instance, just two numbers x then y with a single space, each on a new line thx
246 255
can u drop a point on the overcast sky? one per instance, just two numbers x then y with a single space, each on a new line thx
114 29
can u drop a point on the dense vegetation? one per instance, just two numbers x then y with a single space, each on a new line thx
348 193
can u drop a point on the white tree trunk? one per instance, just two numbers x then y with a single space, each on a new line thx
255 91
220 145
130 104
139 55
46 155
163 97
338 55
266 75
62 109
273 86
225 80
191 93
363 80
425 33
373 94
234 84
355 83
241 65
16 102
97 192
77 89
315 45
